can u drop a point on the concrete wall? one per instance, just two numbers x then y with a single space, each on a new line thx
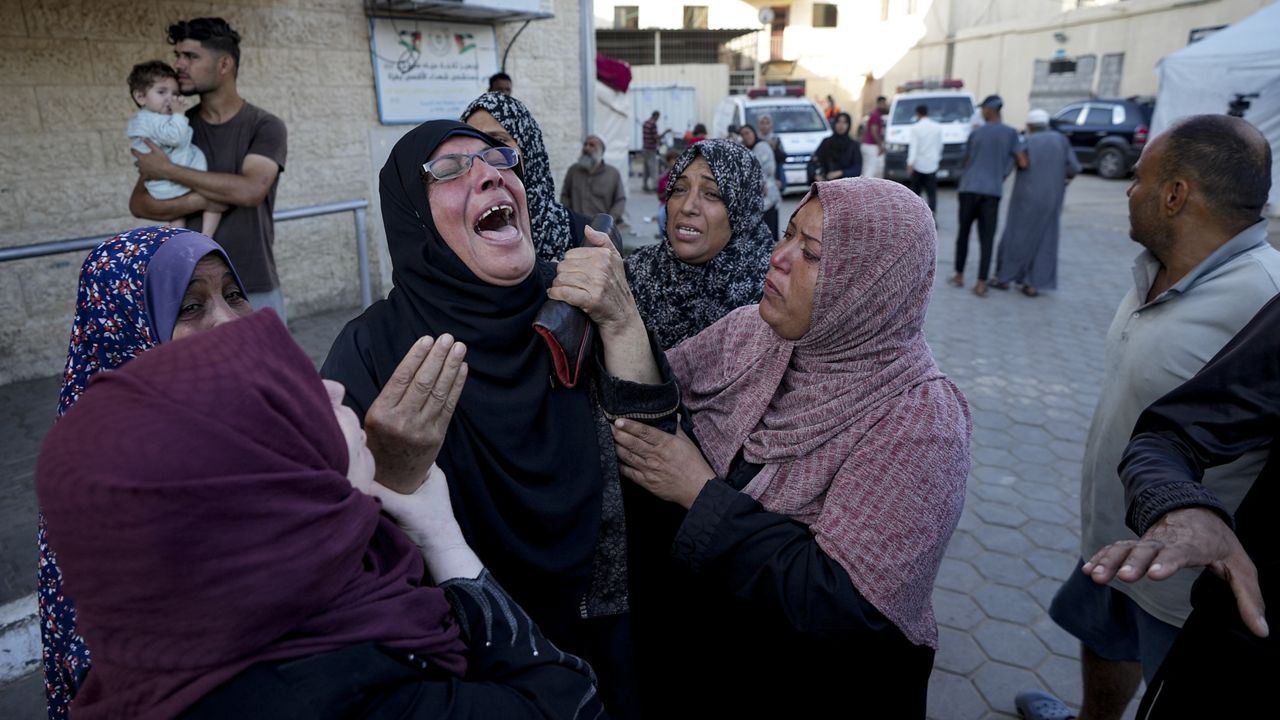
65 169
710 83
999 56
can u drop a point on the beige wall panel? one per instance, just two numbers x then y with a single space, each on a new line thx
342 67
112 62
84 107
10 214
45 62
31 349
49 288
268 65
48 203
52 154
319 139
18 112
12 22
11 291
317 261
310 104
299 28
116 19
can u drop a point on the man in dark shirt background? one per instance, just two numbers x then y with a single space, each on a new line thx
500 82
246 148
992 151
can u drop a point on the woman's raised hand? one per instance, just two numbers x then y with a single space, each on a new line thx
406 423
593 278
669 466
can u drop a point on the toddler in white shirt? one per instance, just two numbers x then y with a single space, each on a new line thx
154 87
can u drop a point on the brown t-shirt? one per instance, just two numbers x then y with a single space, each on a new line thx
246 233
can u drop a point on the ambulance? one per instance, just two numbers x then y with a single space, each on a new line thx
950 106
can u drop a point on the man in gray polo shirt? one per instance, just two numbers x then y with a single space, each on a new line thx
989 158
1195 205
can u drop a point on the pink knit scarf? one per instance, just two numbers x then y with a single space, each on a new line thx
862 437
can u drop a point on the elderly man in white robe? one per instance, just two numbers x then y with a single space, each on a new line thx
1028 252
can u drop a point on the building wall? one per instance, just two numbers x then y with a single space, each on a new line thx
66 171
710 83
1000 57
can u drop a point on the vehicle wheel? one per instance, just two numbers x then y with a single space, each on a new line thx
1111 163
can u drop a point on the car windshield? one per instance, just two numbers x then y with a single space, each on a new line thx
941 109
789 118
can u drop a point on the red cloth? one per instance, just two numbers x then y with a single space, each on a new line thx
614 73
198 501
874 120
862 437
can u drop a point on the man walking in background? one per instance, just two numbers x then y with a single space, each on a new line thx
873 140
649 151
992 151
1029 247
924 154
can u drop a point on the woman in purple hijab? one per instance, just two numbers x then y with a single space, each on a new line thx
137 290
234 563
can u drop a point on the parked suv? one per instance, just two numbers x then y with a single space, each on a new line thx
1107 134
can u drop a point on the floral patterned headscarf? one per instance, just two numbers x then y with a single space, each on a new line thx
112 326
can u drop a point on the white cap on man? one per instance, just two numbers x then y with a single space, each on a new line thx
1038 117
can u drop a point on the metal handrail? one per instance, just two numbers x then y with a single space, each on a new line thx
359 207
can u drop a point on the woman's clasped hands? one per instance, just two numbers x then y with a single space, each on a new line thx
669 466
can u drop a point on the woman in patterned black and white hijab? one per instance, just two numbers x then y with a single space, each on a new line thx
715 245
556 228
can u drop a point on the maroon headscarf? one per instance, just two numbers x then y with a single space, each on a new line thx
199 503
862 437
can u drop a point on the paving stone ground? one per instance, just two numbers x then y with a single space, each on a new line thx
1030 368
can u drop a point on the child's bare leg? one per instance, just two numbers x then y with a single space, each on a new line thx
177 222
209 223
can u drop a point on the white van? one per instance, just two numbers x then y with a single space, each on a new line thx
797 122
950 106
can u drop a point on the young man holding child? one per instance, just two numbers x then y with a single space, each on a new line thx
245 147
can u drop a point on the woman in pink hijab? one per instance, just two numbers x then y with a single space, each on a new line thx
808 510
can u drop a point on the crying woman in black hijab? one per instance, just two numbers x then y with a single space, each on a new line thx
530 459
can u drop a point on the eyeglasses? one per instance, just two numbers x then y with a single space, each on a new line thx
449 167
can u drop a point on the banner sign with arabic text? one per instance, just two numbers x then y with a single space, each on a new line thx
424 69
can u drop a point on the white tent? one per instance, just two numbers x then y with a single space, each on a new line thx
1205 77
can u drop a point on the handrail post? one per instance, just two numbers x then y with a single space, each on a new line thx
362 250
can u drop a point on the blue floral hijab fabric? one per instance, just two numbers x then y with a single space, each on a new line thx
111 327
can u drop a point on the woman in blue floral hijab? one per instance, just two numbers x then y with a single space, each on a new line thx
138 289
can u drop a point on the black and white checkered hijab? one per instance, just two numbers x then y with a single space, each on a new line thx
553 227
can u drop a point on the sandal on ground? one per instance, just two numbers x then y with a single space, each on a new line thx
1029 291
980 289
956 280
1036 705
997 284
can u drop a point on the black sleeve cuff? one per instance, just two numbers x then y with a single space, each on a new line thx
651 404
693 544
1155 502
